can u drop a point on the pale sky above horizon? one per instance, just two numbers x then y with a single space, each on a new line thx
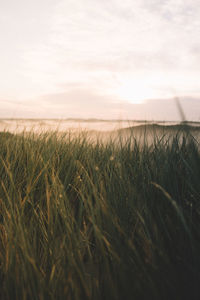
101 59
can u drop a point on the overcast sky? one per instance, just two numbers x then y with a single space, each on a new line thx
99 58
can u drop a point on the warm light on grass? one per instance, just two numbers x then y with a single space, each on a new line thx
99 221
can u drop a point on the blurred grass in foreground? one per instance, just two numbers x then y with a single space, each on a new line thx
99 221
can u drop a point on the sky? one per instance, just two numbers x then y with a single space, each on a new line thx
99 59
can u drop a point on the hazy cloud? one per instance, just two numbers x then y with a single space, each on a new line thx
91 51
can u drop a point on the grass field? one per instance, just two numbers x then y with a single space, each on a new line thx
82 220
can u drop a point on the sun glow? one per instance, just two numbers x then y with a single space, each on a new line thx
135 91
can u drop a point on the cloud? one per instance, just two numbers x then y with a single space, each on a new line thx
80 102
87 103
90 36
86 50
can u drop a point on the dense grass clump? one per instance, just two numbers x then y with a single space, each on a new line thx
99 221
